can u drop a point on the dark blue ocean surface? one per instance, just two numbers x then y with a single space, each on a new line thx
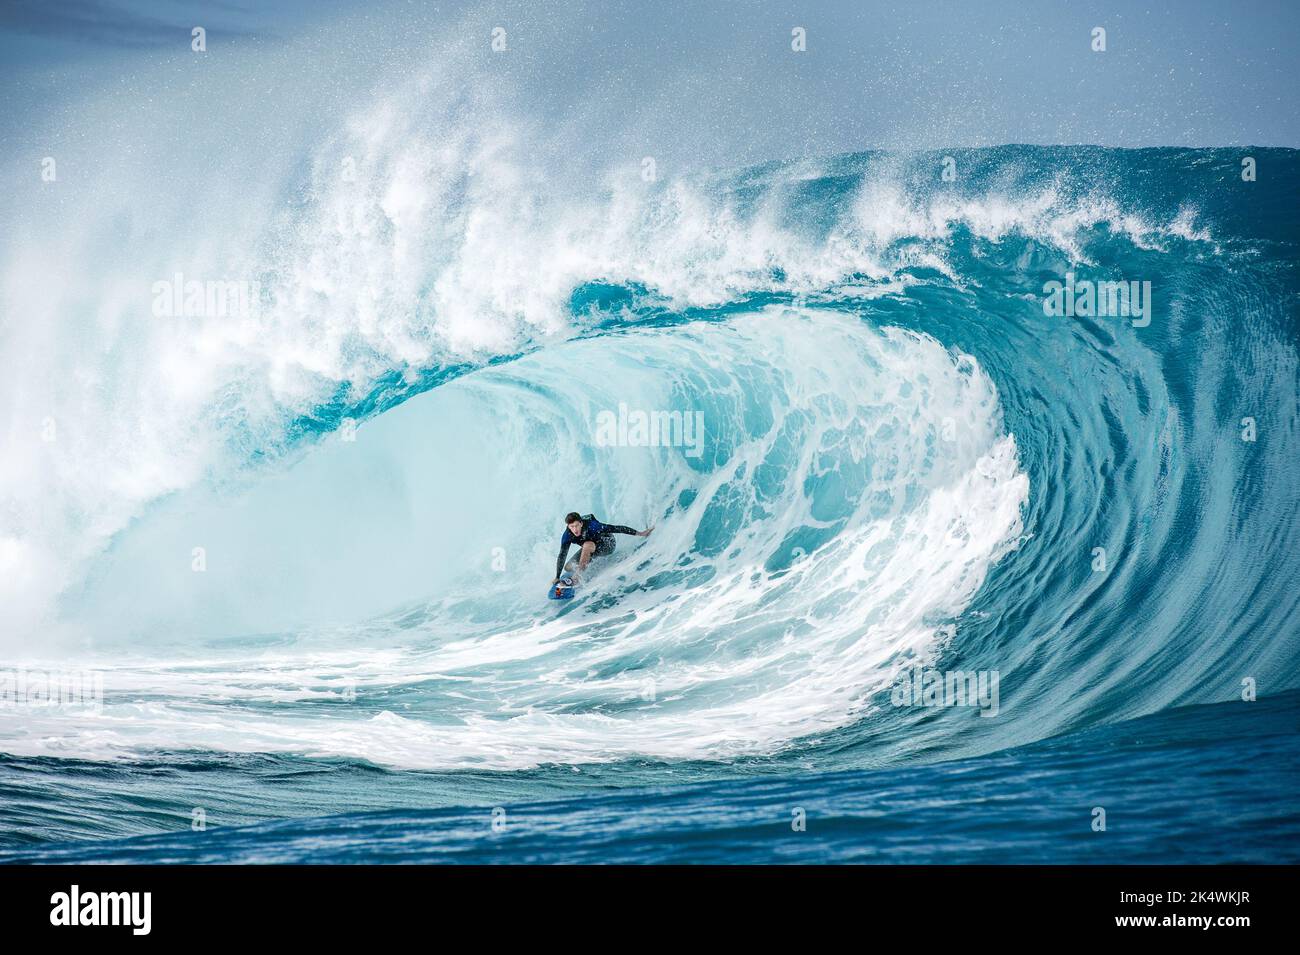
1199 784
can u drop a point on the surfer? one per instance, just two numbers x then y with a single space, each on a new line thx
593 538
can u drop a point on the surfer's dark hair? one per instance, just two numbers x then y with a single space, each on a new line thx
572 516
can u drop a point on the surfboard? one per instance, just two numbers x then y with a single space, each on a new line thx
563 590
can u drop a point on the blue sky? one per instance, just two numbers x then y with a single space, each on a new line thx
712 75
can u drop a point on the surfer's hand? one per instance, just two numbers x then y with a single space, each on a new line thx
555 581
646 532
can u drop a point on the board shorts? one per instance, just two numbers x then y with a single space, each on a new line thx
604 547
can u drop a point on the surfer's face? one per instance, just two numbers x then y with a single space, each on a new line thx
575 527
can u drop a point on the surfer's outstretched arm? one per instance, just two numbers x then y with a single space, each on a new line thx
621 529
559 561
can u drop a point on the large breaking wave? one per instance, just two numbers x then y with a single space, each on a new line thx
904 460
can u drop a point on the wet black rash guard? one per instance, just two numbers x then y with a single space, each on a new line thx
592 530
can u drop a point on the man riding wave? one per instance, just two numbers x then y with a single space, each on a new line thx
593 538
